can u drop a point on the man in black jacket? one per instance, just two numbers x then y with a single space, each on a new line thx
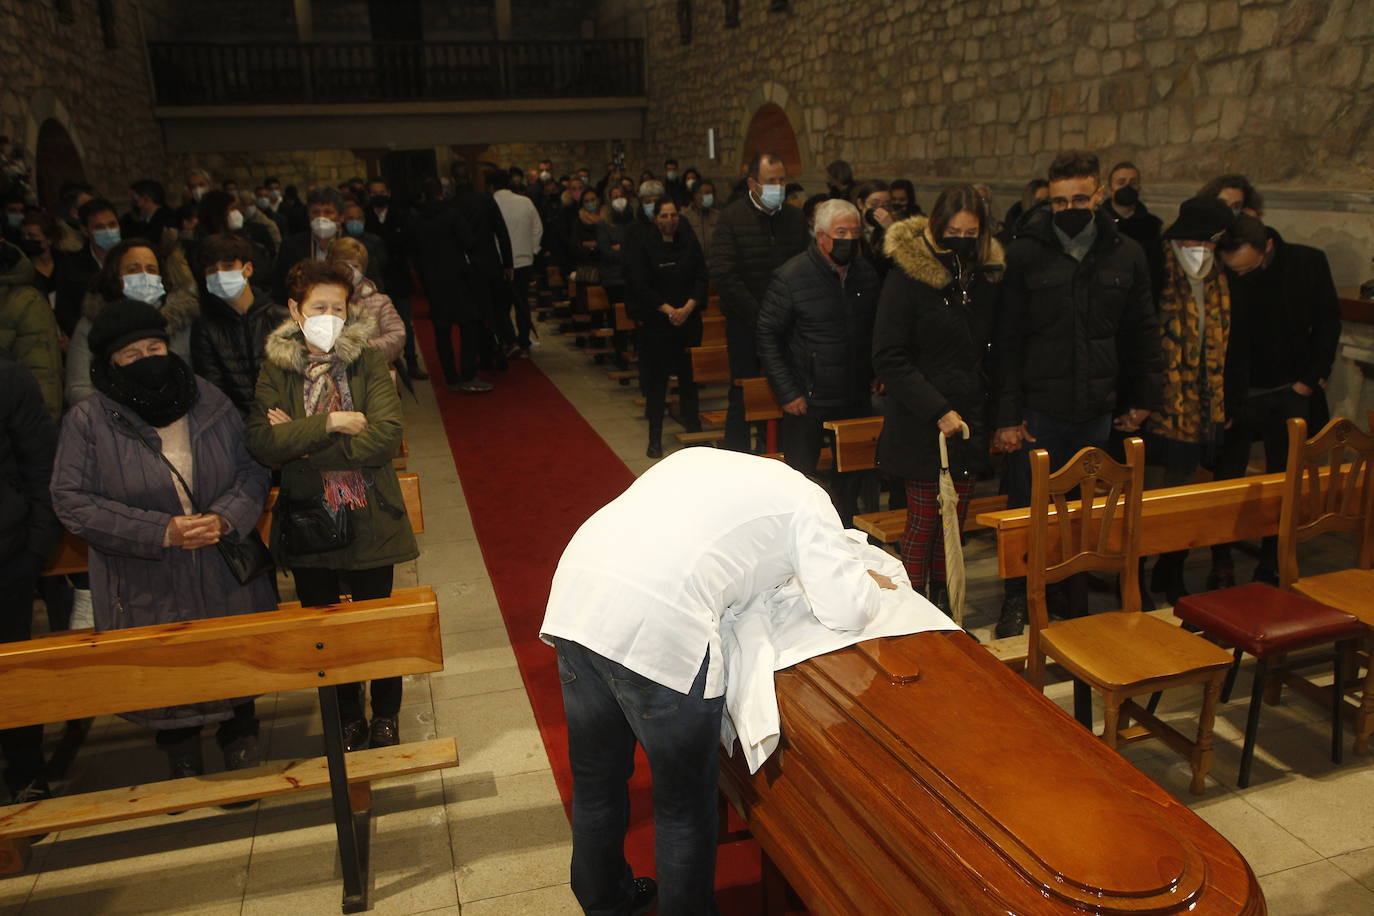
755 236
1078 322
815 337
1133 218
228 339
1285 327
29 531
388 222
326 206
492 264
150 217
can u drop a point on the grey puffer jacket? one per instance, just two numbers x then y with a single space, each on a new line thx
117 495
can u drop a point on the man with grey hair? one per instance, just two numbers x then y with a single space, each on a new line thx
815 337
197 183
756 234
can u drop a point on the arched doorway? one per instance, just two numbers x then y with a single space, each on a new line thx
770 131
56 162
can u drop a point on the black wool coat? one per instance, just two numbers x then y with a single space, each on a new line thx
930 346
748 245
29 530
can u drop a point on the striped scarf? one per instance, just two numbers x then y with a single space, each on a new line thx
326 390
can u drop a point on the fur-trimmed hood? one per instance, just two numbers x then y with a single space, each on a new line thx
285 347
910 246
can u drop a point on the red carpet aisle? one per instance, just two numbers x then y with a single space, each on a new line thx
532 471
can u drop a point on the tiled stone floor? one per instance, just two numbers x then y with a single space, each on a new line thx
490 838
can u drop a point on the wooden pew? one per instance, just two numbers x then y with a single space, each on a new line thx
80 674
712 331
71 557
856 449
882 800
710 366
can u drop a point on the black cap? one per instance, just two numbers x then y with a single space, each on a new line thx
121 323
1202 219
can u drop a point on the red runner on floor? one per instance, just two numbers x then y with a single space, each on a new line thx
533 471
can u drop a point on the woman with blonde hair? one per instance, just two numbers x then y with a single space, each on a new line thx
389 337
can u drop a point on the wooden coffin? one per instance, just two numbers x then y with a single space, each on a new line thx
965 791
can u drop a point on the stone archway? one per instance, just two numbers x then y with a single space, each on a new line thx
56 162
774 122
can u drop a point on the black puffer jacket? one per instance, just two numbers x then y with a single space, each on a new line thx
748 245
815 334
29 529
227 348
930 343
1070 330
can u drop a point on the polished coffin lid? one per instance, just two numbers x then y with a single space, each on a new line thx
919 773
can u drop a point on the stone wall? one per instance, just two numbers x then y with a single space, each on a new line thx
63 72
303 168
566 157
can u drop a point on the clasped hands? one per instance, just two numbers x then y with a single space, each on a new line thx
1010 438
192 532
677 316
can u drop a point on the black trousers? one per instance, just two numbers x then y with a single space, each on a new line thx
1263 417
23 747
742 344
662 352
318 587
476 344
802 438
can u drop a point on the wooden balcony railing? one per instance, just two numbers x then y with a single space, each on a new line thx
202 73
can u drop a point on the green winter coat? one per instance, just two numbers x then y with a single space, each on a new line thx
303 449
28 332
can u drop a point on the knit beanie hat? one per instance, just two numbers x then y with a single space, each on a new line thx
121 323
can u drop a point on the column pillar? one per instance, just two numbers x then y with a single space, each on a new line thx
503 20
305 21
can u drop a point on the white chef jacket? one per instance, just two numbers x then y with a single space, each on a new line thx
645 580
523 225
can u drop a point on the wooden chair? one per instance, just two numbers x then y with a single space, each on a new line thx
710 365
1121 654
1336 498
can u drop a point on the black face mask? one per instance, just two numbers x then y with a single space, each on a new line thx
380 201
149 372
159 389
31 247
1126 195
842 250
966 249
1073 220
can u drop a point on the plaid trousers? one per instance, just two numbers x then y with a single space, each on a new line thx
923 544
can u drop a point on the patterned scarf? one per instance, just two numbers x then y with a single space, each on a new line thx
326 390
1194 359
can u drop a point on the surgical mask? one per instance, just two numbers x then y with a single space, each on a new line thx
672 175
963 247
772 195
227 284
321 331
354 227
708 201
105 239
649 210
264 203
234 221
619 204
14 219
324 228
276 194
250 209
546 175
1196 260
380 201
143 287
1073 220
1126 195
842 250
197 193
590 206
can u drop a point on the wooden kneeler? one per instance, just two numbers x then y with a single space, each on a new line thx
79 674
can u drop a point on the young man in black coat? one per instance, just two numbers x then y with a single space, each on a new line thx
1133 219
387 221
815 339
29 531
755 236
1285 327
1078 336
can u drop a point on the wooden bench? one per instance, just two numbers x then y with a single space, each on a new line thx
712 331
71 555
80 674
710 366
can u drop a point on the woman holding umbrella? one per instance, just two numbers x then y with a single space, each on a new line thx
935 320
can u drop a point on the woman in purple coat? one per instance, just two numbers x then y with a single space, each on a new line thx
113 486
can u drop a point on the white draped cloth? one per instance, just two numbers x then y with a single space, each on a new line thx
776 629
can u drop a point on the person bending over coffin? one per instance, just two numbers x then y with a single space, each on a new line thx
635 615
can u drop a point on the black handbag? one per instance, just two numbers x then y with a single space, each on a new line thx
308 527
247 557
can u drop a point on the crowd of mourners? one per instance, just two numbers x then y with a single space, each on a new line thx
162 368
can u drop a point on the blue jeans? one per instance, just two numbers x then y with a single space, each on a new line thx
1062 439
609 708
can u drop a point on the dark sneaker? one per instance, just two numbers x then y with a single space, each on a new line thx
646 896
1012 622
355 735
385 732
472 386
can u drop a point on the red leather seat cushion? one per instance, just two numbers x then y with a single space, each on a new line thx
1262 619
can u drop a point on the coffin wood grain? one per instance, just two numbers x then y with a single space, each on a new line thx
967 792
71 556
78 674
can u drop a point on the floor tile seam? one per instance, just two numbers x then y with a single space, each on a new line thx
511 775
528 890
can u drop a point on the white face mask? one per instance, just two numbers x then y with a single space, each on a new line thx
143 287
227 284
324 228
234 220
321 331
620 204
197 193
1196 260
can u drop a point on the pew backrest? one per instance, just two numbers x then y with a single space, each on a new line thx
710 364
1328 487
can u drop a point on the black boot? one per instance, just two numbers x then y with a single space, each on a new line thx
655 449
939 596
1012 622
